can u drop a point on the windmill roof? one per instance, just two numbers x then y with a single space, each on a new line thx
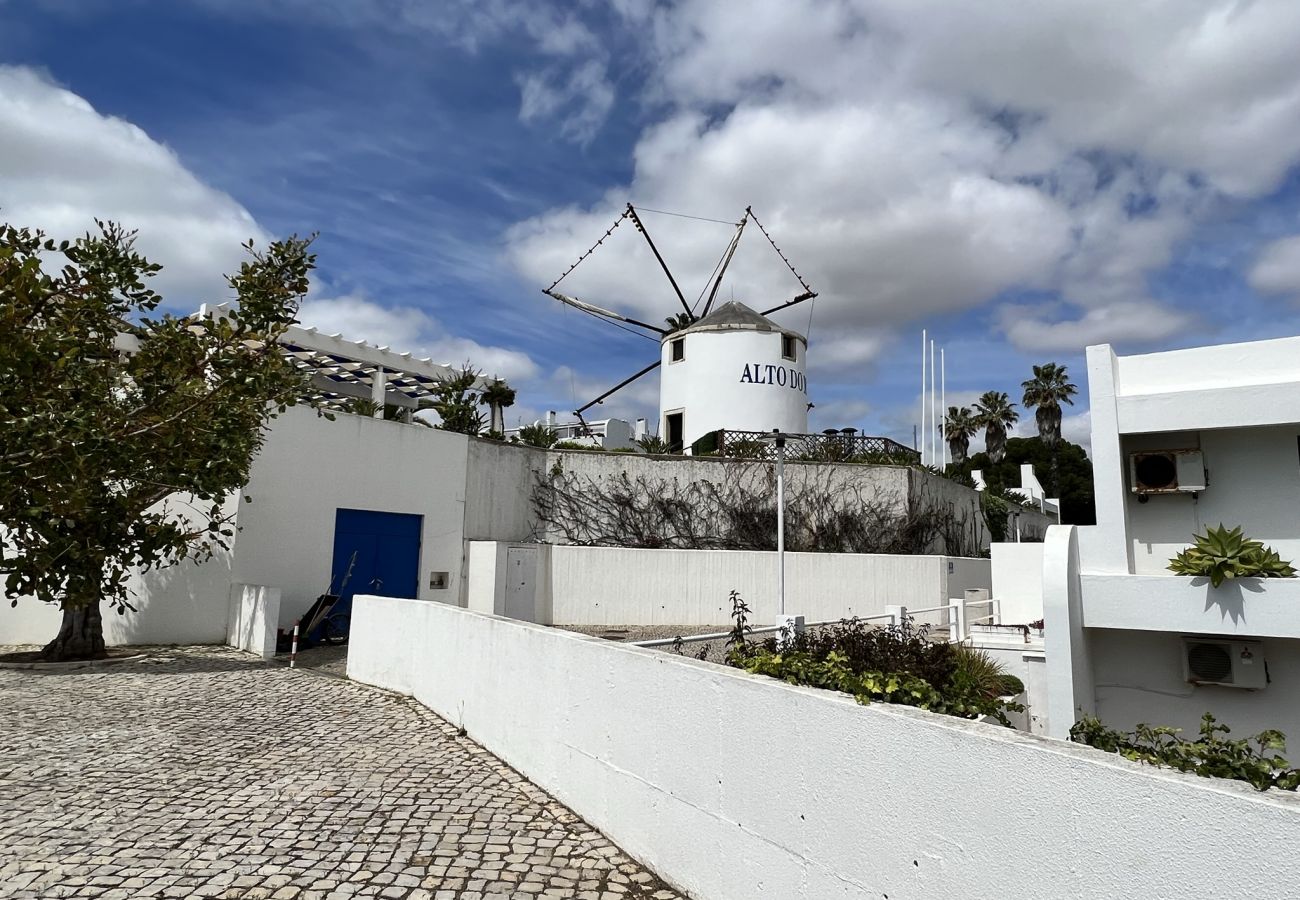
735 316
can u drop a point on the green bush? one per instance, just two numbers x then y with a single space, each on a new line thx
575 445
894 664
1221 554
538 435
1253 760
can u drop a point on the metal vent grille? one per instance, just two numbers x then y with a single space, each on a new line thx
1209 662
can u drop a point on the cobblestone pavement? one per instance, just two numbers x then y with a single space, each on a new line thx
199 773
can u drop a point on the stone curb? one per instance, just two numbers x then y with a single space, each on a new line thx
74 664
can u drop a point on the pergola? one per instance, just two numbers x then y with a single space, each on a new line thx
340 369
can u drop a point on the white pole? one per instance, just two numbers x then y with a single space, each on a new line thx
293 652
934 421
780 525
923 403
943 407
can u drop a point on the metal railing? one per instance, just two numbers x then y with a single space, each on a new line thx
837 447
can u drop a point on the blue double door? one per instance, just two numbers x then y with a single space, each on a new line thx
382 552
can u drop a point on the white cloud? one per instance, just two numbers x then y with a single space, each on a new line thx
63 164
407 329
1141 321
580 99
917 158
1277 269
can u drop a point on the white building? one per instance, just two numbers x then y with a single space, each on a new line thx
1181 440
599 434
733 369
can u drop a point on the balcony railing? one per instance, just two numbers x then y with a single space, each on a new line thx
826 447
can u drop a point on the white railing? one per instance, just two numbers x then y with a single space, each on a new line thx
765 629
957 618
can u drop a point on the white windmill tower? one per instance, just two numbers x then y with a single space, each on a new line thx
728 367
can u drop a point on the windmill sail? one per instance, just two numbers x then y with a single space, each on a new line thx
600 311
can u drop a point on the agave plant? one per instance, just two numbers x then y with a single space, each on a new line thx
1221 554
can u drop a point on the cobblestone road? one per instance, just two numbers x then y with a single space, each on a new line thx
197 773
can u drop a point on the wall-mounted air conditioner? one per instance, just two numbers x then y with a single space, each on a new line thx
1167 472
1238 664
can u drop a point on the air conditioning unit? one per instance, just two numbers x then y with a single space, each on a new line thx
1167 472
1238 664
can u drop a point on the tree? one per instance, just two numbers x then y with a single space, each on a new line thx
1045 392
678 321
994 412
1075 472
958 427
456 402
497 396
123 433
538 435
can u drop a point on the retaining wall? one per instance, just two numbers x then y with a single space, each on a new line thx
736 787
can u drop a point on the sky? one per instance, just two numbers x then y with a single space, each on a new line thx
1021 179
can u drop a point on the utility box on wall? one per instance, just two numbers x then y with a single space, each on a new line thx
1167 472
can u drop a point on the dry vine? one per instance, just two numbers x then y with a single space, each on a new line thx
825 513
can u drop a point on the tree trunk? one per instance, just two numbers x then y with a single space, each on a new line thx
81 636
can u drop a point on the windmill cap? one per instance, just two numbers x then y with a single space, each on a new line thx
734 316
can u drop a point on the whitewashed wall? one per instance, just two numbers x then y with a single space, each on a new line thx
622 586
1254 483
182 604
1018 581
736 787
311 466
252 617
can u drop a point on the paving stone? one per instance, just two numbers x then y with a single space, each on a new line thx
199 772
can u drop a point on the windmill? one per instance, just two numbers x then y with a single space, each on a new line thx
690 313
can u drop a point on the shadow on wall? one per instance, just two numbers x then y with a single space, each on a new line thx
181 604
1229 596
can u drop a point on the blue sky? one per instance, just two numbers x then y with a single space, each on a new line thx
1052 179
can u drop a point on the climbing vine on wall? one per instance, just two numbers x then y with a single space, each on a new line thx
825 513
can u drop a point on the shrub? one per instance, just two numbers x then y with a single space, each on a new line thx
576 445
652 443
1222 554
894 664
538 435
1252 760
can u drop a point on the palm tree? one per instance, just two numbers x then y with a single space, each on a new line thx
1045 392
678 321
496 397
994 411
958 427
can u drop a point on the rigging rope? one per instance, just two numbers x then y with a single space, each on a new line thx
787 262
664 212
608 232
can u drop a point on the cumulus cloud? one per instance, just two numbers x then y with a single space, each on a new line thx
1277 269
63 164
407 329
917 159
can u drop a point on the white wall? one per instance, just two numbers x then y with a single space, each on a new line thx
621 586
1254 482
181 604
736 786
1018 581
252 617
1139 678
310 467
708 384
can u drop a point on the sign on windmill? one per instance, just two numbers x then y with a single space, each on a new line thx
725 367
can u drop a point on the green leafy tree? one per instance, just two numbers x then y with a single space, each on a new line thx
124 432
959 426
456 401
497 397
994 411
1074 472
653 443
1044 393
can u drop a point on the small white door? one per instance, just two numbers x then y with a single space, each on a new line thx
521 583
